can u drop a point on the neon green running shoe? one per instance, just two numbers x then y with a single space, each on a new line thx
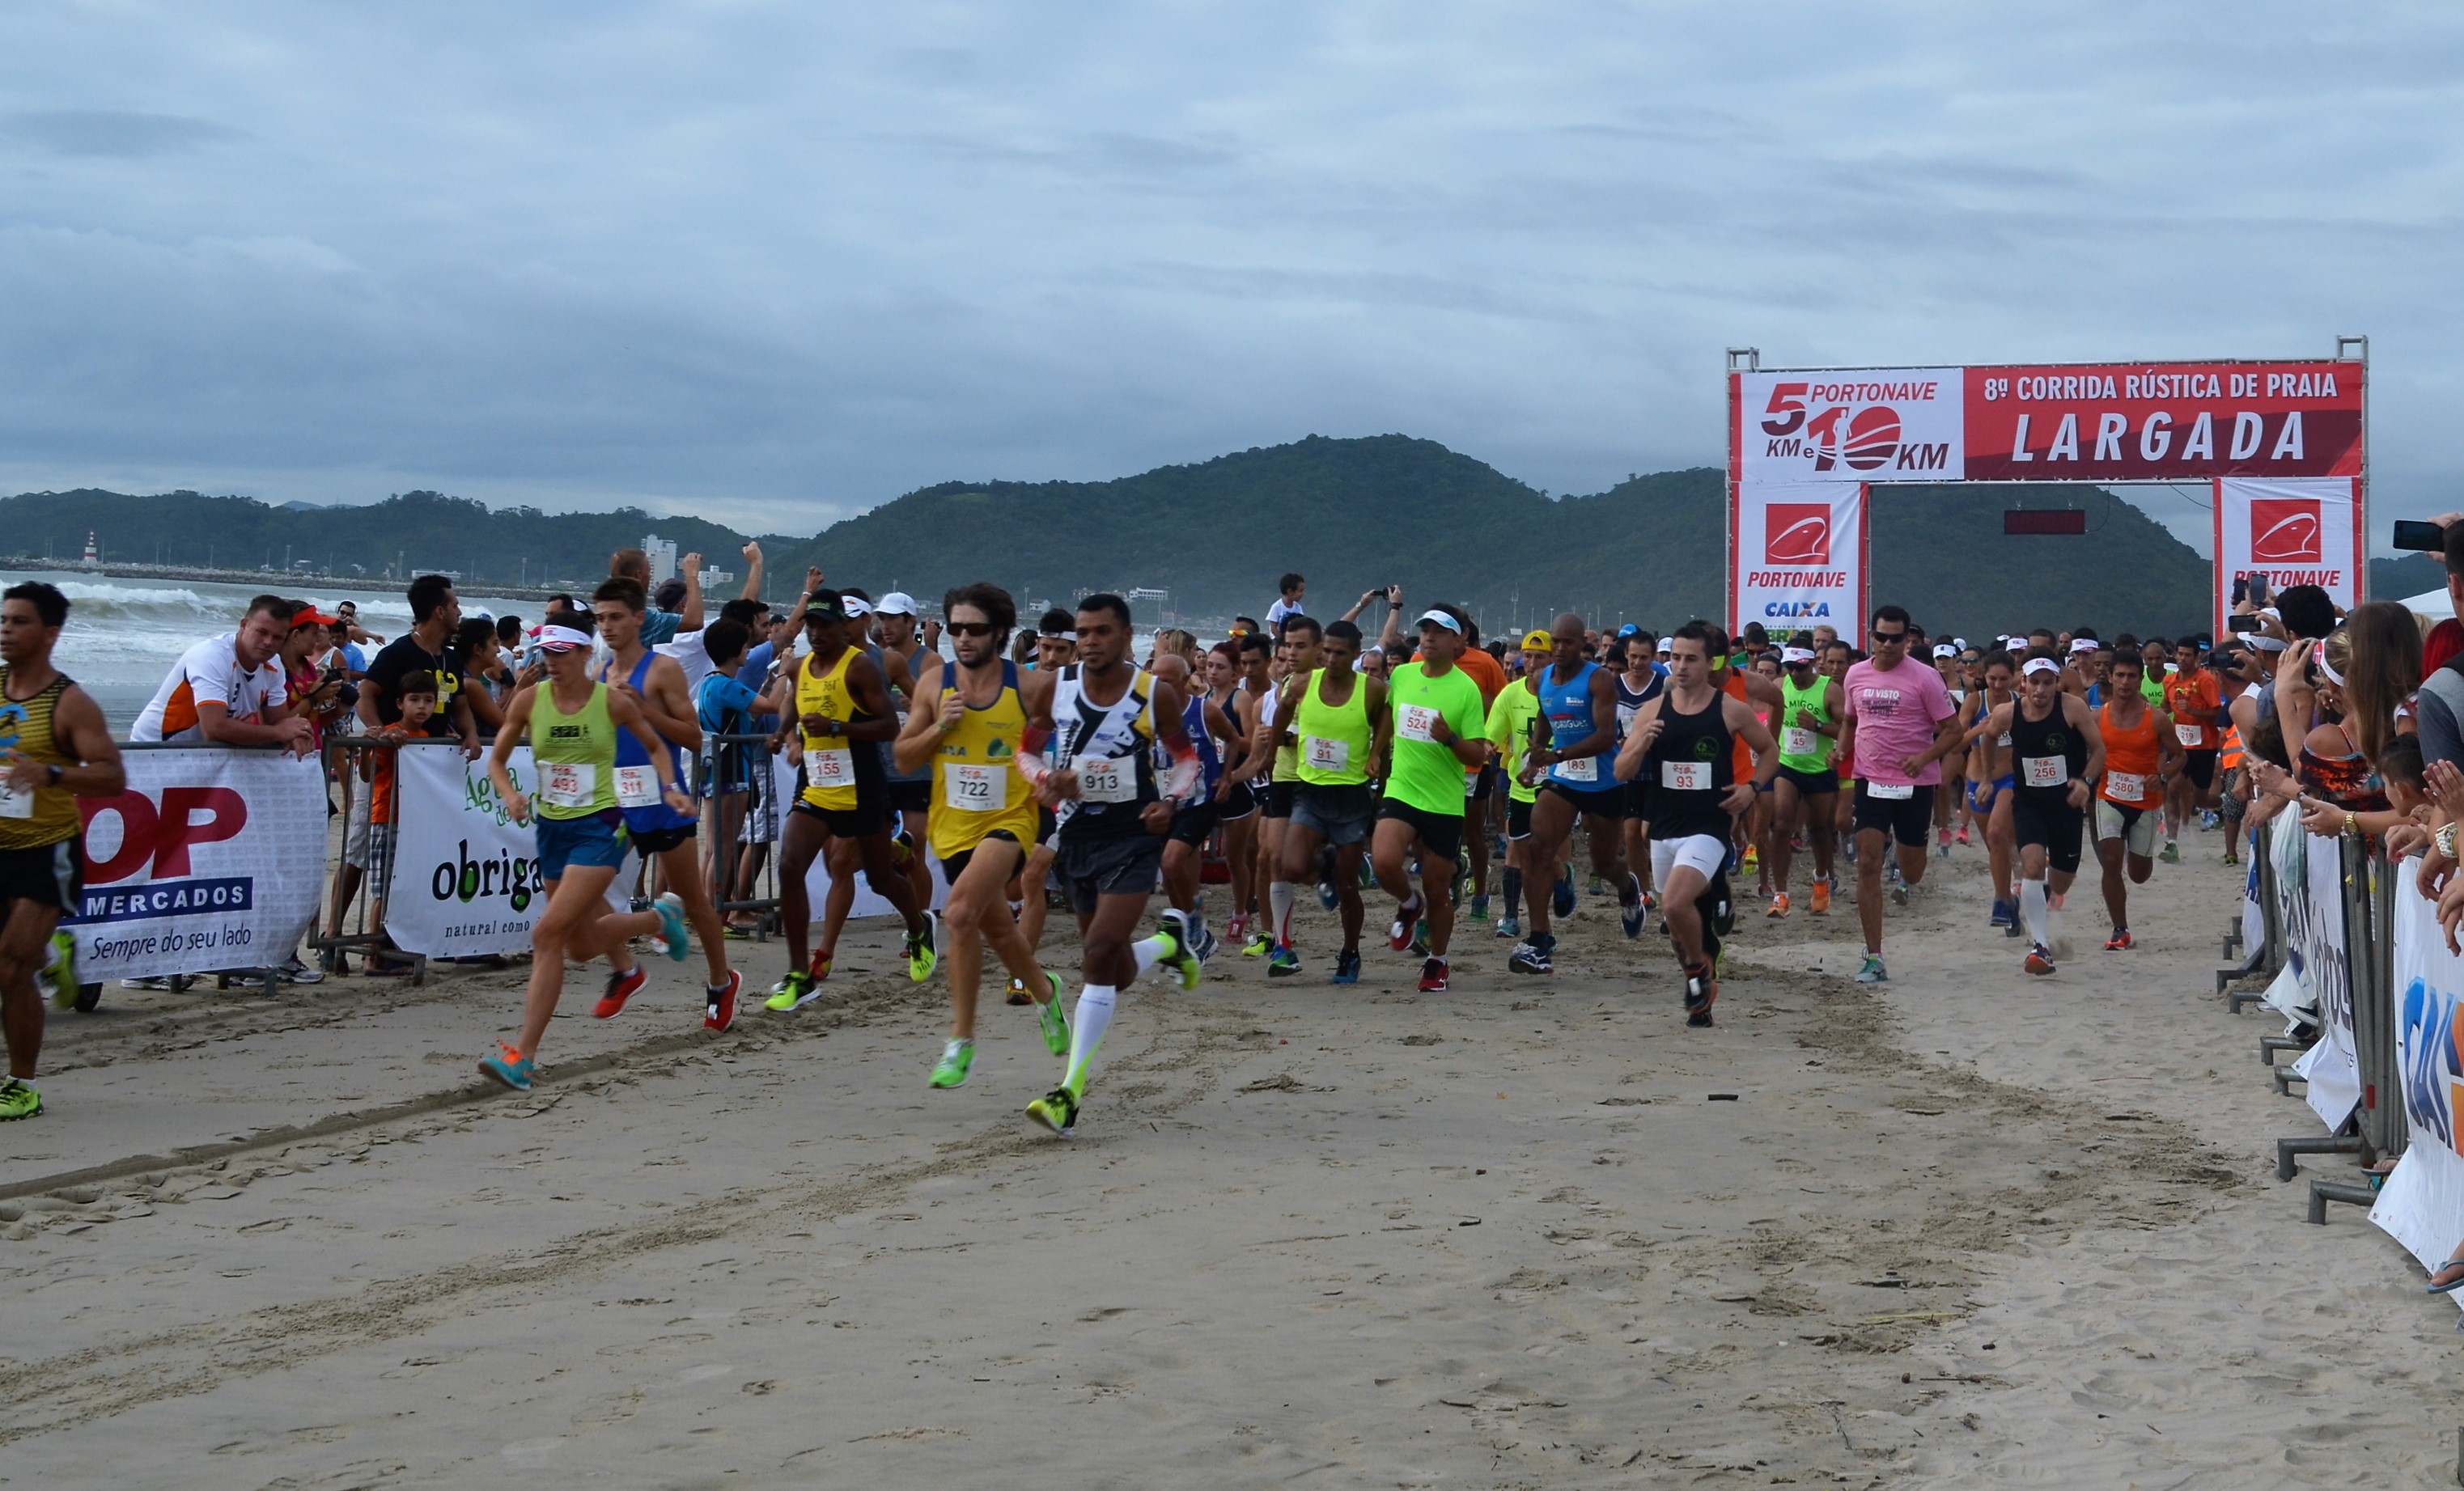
1174 925
1259 946
921 959
1056 1024
951 1070
1056 1111
795 991
61 974
17 1101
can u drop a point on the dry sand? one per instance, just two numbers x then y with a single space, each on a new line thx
1972 1229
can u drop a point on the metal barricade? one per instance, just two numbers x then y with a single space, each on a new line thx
360 769
736 784
2366 882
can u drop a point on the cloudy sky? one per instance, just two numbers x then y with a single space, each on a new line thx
778 262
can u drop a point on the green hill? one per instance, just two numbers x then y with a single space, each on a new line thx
1347 513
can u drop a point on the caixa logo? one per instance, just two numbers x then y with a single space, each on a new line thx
1795 610
2284 531
1798 422
466 879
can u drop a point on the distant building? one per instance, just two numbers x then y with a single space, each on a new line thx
93 557
662 552
712 577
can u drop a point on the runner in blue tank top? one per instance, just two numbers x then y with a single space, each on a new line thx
1572 766
658 686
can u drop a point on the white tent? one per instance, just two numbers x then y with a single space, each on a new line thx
2433 603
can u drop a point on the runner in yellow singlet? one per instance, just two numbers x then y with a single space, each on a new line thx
984 813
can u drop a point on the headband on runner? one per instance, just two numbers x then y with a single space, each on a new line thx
562 639
1441 619
1796 655
2041 665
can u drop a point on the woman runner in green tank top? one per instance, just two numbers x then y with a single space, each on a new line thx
1806 731
572 721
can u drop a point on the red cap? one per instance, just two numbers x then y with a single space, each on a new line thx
310 616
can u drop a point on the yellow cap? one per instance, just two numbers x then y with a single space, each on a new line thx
1538 642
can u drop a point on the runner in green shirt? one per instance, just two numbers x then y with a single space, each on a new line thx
1509 735
1437 719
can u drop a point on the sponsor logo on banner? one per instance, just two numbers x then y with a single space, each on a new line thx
2422 1204
1807 566
213 859
2165 421
466 880
2284 531
2297 531
1863 425
1797 532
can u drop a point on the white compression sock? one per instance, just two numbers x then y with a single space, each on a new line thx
2031 907
1146 950
1086 1025
1279 900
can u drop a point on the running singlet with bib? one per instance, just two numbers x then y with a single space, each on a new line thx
637 780
1334 737
1802 749
1631 700
1111 748
835 767
2046 757
1424 773
1690 769
1510 731
1210 763
46 816
975 785
1568 708
2130 758
575 754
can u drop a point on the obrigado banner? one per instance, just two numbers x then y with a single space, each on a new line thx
213 859
466 880
2079 422
2422 1206
1800 550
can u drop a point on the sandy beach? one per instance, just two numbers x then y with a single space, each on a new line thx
1967 1229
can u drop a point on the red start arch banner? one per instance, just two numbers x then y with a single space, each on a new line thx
2280 441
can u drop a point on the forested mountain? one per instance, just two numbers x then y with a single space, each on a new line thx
1347 513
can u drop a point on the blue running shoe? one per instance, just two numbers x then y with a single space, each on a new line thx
1347 969
672 925
510 1066
1562 899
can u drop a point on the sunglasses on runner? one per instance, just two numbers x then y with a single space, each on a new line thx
1899 638
968 628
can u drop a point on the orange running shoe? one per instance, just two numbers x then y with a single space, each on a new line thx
2040 961
1778 906
1821 905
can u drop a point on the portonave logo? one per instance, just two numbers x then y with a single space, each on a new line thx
2284 531
1797 532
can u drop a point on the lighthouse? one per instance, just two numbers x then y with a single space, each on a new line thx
91 558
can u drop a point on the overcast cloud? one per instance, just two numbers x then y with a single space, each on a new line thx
779 262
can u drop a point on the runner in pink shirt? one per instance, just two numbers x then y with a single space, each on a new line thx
1899 723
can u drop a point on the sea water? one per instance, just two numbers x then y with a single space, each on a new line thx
123 635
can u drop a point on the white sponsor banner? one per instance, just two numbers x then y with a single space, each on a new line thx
213 859
465 880
2296 531
816 880
1799 551
2422 1206
1850 424
2309 871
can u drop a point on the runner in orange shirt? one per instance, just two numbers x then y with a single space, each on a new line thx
2140 751
2195 703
